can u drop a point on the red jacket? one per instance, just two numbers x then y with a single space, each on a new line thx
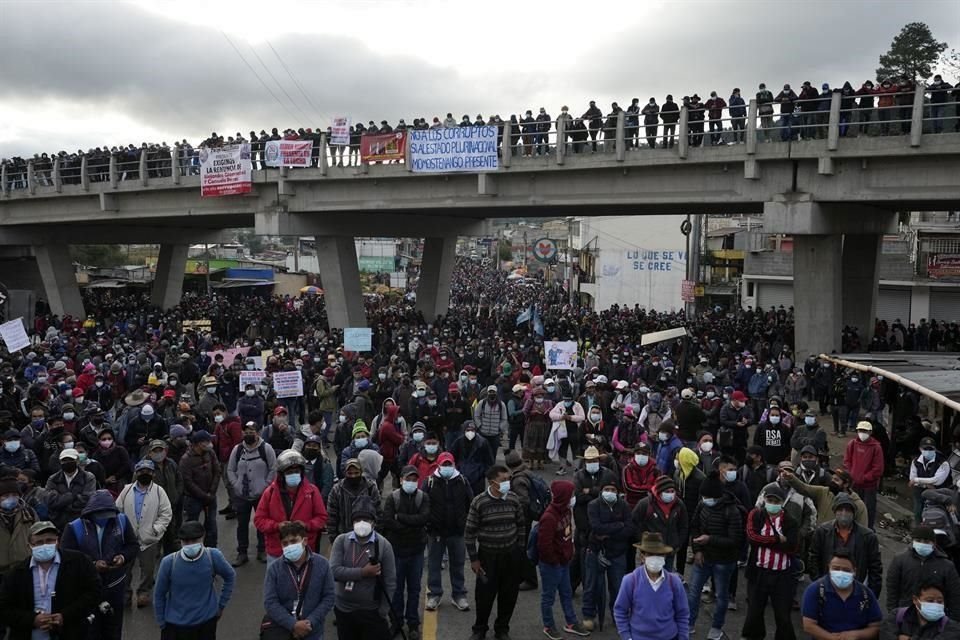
555 535
864 461
308 508
389 437
424 466
638 481
228 434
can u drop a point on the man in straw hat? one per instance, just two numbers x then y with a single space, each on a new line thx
652 602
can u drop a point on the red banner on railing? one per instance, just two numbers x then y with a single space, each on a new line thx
943 265
383 146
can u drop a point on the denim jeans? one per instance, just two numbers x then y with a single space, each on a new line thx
593 583
409 577
936 112
244 508
554 579
721 582
454 546
192 508
786 127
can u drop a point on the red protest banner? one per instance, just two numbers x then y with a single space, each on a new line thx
383 146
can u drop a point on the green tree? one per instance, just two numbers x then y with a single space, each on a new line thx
251 241
505 250
98 255
912 54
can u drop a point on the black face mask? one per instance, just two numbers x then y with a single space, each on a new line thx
834 489
353 482
68 467
310 454
144 478
249 439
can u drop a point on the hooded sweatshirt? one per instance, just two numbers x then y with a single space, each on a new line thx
389 435
555 537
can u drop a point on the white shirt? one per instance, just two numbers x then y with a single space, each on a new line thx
655 584
938 478
69 478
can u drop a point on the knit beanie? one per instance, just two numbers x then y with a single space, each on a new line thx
359 427
712 487
363 507
664 483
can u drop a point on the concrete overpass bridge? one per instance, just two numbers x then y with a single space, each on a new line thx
836 195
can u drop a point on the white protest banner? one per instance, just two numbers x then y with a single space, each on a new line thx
226 171
288 153
251 377
14 335
340 132
288 384
358 340
560 355
453 149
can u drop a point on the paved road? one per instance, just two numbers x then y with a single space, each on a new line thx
242 618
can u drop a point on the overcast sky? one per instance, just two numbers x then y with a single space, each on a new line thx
82 74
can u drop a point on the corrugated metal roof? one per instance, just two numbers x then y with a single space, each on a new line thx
934 372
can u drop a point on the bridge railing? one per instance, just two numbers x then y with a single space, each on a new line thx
619 134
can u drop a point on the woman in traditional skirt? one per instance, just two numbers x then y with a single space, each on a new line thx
537 428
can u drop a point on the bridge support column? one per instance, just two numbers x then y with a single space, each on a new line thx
59 279
861 283
433 289
816 294
337 261
168 280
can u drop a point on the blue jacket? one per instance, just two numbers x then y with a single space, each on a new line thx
119 538
666 453
280 594
185 594
352 451
736 106
757 387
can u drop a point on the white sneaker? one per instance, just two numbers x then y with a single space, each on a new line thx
432 603
461 603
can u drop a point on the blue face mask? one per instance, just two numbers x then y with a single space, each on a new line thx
592 467
504 487
44 552
409 486
928 454
841 579
292 479
431 448
730 476
809 421
360 443
932 611
418 437
668 497
192 550
293 552
609 496
773 509
710 502
447 472
568 403
923 549
9 504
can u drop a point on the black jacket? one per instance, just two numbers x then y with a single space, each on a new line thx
670 112
908 571
724 524
76 595
449 504
611 528
404 522
675 528
863 545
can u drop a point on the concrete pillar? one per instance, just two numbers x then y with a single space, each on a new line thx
168 279
860 282
816 294
433 289
337 261
919 304
59 279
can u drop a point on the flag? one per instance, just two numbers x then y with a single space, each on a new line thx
537 323
525 315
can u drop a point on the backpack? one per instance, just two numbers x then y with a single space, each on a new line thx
261 452
79 530
725 438
937 518
395 497
822 597
540 496
533 550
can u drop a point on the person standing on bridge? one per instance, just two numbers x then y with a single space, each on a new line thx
651 112
594 118
715 106
670 115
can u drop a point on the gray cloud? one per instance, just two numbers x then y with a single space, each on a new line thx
186 80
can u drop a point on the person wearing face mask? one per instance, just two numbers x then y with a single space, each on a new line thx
810 471
360 441
109 539
639 474
147 507
774 537
144 428
822 497
450 497
389 437
167 476
850 409
473 455
808 433
568 414
16 518
858 541
291 496
250 405
350 487
537 423
50 592
325 392
279 433
406 513
186 602
735 418
201 473
773 437
652 602
924 618
666 447
839 604
665 513
495 535
707 452
922 562
611 533
930 470
251 469
555 552
69 489
863 457
15 455
689 416
490 416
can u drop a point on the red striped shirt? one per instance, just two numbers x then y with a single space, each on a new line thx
767 557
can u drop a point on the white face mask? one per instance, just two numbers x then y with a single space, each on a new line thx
707 446
362 528
654 564
470 435
863 435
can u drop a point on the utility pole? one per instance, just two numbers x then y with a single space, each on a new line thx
570 260
206 251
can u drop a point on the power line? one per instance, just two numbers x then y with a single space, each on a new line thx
306 118
257 76
298 85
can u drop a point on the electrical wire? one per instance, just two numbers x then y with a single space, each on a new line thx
306 118
257 76
298 85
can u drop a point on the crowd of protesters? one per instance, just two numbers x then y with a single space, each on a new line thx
682 469
882 109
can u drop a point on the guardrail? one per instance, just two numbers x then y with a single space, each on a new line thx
618 133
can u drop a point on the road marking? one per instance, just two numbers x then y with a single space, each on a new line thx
428 631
